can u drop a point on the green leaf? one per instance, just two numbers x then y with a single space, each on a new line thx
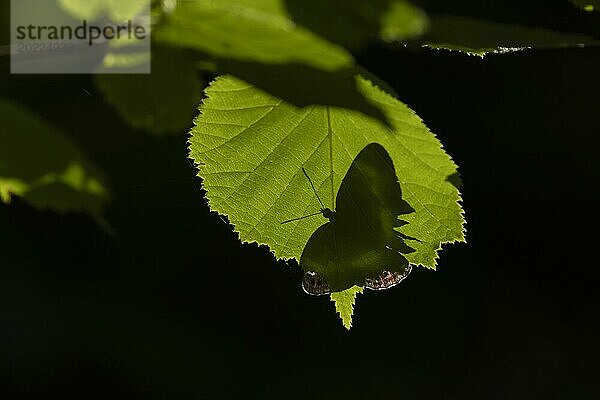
480 37
251 147
344 304
116 10
249 30
160 102
45 168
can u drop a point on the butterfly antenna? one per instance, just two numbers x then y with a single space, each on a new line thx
313 188
298 219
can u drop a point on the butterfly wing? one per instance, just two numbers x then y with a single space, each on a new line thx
314 284
387 279
360 246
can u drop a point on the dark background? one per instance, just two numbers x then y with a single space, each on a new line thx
175 307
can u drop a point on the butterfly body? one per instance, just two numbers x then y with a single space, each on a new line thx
328 213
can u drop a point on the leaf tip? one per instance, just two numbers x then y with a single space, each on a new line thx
344 304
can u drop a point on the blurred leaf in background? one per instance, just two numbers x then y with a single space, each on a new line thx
160 102
354 23
116 10
587 5
480 37
41 165
248 30
289 48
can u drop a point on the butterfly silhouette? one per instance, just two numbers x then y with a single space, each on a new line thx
359 245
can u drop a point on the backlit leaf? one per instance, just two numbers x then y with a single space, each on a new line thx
250 148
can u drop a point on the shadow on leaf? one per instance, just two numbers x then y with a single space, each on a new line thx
304 86
360 244
455 180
